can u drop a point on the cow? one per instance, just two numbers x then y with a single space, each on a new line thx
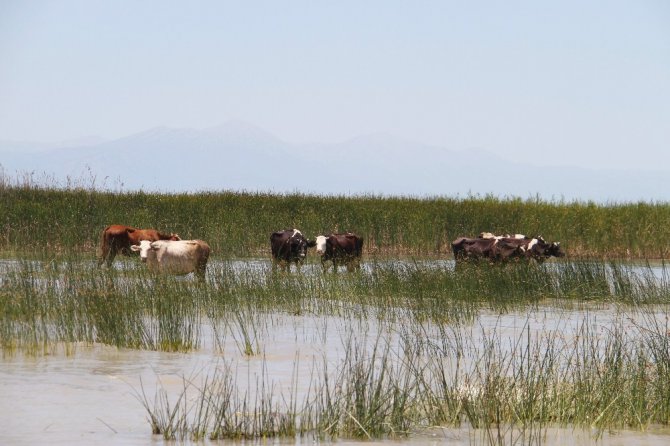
341 249
535 248
289 246
119 238
503 248
174 256
474 249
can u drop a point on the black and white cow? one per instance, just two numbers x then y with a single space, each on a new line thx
474 249
535 248
503 248
289 246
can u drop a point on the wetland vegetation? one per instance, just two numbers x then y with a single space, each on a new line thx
411 351
56 220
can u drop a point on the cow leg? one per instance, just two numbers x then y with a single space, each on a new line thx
200 271
111 255
324 265
106 251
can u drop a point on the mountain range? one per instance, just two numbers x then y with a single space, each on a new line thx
240 156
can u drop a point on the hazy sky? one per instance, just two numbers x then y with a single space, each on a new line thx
576 82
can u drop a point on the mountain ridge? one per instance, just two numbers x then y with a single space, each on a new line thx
240 156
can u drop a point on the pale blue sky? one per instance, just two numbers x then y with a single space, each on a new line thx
570 82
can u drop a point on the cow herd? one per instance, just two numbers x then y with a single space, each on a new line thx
168 253
502 248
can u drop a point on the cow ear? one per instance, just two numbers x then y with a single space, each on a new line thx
311 243
135 248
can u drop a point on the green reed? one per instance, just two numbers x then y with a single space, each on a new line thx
383 388
421 367
43 303
51 221
590 380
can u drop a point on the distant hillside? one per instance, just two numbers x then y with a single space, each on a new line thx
240 156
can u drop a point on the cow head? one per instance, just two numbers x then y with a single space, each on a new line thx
541 249
320 244
298 244
144 248
555 250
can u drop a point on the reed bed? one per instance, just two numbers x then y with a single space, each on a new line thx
46 303
392 387
50 221
416 360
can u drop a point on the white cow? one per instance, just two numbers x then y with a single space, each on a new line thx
174 257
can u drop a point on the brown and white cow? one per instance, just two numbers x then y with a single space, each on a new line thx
119 238
340 249
289 246
174 257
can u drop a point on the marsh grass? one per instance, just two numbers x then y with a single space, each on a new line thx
49 302
423 364
424 367
39 220
390 387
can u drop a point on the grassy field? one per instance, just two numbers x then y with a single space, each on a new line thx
236 224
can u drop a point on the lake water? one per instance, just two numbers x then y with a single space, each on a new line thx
89 396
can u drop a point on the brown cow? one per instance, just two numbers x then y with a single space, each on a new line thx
119 238
341 249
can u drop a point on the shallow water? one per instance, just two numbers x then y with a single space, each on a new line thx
91 395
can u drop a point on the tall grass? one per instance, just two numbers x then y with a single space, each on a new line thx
45 303
54 220
425 365
381 388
